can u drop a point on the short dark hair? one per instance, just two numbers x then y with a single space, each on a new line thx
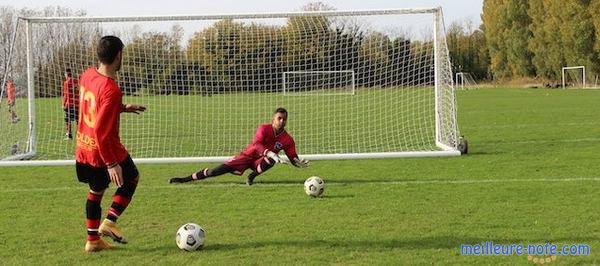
68 72
281 110
108 49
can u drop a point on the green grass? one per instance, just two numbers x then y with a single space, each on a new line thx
531 177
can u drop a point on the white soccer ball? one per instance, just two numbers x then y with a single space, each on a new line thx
190 237
314 186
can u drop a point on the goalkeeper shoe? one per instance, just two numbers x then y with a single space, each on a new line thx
177 180
110 229
96 245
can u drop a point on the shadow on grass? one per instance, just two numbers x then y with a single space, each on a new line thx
337 182
326 196
271 183
438 242
441 242
483 152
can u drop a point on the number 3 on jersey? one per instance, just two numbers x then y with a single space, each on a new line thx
88 107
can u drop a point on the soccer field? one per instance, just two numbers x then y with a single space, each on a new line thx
531 177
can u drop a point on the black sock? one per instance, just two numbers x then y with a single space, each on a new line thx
217 171
93 211
186 179
253 175
121 199
202 174
264 165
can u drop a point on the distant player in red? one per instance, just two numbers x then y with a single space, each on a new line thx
259 156
70 101
100 157
11 93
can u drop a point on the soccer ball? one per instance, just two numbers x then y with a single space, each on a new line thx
314 186
190 237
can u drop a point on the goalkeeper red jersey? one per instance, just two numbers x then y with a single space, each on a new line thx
265 140
98 141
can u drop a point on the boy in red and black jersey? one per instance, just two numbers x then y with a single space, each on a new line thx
70 101
100 156
260 155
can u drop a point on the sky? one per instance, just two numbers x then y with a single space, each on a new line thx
454 10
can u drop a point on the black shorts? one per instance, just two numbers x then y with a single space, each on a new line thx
97 177
71 114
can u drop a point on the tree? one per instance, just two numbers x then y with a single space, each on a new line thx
50 45
8 18
593 11
309 39
507 35
467 49
494 19
375 51
545 43
578 36
517 37
564 33
148 62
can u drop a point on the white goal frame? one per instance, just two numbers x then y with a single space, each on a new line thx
445 116
465 81
564 69
284 84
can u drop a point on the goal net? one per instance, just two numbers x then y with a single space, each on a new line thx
382 76
573 77
318 82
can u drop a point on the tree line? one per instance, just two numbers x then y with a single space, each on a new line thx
228 55
528 39
536 38
517 38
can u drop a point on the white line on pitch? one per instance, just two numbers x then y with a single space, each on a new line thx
538 125
331 183
490 143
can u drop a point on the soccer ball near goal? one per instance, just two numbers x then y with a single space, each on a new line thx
190 237
314 186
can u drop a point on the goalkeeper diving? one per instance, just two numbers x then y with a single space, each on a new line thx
259 156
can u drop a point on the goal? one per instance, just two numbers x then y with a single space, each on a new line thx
382 76
573 77
465 81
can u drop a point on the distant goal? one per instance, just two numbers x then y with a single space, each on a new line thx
573 76
465 81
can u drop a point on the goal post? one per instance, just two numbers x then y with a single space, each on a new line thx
573 76
209 80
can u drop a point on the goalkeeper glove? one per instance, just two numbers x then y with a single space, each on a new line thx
274 157
301 162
